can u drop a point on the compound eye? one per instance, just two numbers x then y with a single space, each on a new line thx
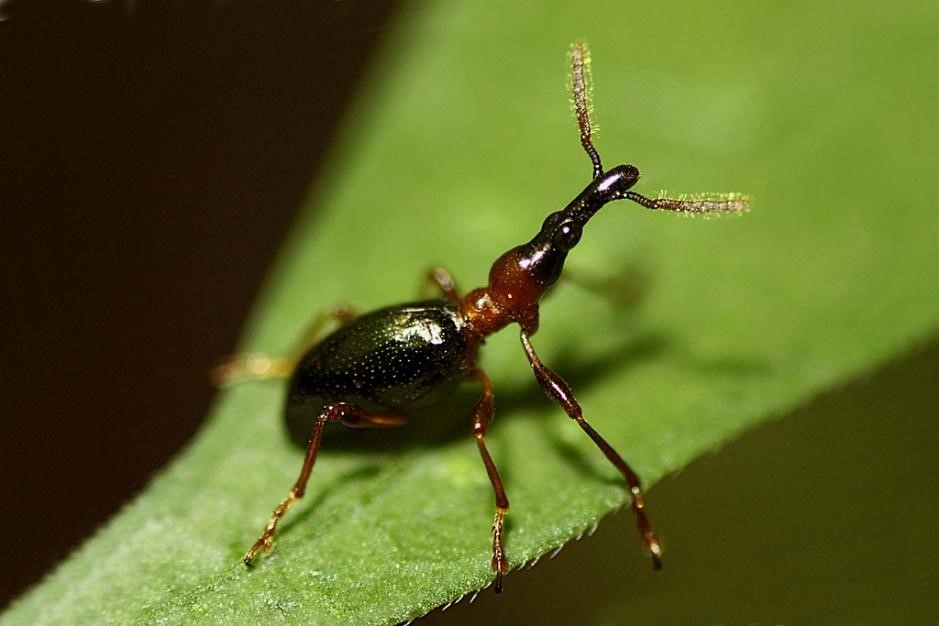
567 235
550 221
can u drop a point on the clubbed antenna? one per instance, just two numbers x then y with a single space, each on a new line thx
700 203
581 85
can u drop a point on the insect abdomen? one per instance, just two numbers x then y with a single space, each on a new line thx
386 362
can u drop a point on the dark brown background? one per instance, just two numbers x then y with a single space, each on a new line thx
150 164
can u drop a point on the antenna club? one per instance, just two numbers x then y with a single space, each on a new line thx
581 83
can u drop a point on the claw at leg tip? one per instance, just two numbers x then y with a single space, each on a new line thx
655 552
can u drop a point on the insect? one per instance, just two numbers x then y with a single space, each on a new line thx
375 369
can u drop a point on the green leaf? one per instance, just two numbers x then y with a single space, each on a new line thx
461 145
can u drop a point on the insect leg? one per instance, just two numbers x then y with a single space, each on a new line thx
240 368
342 315
558 390
482 415
348 414
440 278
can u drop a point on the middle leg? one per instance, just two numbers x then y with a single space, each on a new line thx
482 416
440 278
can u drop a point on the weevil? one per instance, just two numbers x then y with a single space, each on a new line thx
375 369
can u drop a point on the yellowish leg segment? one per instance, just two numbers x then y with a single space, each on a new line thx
240 368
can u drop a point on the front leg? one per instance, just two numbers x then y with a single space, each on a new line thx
558 390
350 415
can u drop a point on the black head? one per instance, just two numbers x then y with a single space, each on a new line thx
543 257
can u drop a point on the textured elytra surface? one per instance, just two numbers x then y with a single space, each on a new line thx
816 112
387 362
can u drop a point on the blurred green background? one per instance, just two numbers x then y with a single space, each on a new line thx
826 114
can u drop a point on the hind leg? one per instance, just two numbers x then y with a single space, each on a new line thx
240 368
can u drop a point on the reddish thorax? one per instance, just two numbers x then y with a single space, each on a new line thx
511 296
